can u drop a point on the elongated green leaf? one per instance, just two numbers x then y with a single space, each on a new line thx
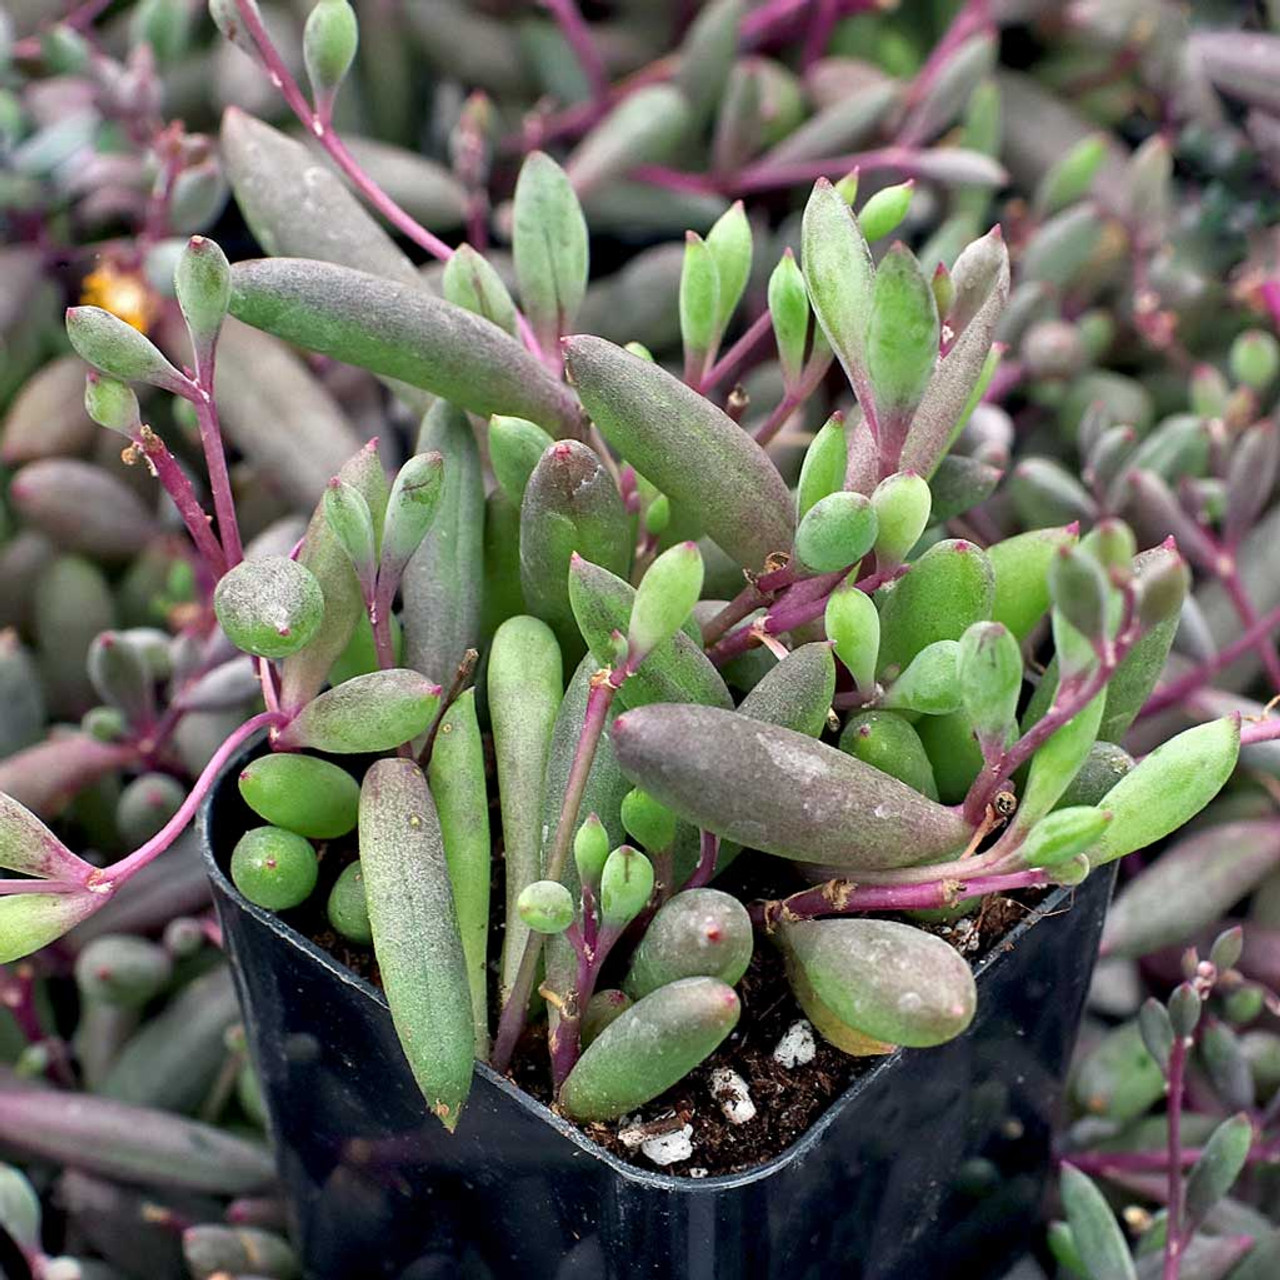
700 932
443 584
902 334
656 1042
884 740
1168 788
30 848
1021 566
400 331
797 693
29 921
456 777
550 247
571 505
1094 1229
685 447
525 687
415 933
376 712
677 670
772 789
890 981
644 128
1220 1164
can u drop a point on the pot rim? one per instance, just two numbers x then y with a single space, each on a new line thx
1060 899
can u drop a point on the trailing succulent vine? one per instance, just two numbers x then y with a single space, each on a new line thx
766 596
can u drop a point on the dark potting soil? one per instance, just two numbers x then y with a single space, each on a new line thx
788 1096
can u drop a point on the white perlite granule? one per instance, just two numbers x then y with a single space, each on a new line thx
730 1090
798 1045
670 1148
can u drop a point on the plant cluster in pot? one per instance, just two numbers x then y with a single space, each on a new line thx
757 845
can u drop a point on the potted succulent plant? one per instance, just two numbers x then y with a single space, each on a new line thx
700 792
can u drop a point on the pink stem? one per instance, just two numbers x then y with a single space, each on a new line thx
708 852
822 20
770 175
1244 608
1270 292
1260 731
1171 694
972 18
120 871
8 887
178 487
409 226
728 363
579 38
219 477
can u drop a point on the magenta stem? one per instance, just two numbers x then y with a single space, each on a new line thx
1173 693
215 459
1255 731
727 365
972 18
183 496
120 871
822 21
8 887
579 38
708 852
408 226
1270 292
1266 650
1173 1233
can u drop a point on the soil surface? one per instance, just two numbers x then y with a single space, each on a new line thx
788 1096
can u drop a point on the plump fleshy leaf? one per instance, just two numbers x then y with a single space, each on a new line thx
890 981
929 683
415 933
886 741
271 606
656 1042
697 932
1094 1229
902 334
836 532
1021 566
661 426
29 921
400 331
471 282
376 712
313 797
773 789
852 623
117 348
626 885
1168 788
515 448
665 598
797 693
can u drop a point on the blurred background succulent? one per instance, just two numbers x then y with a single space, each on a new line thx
1129 156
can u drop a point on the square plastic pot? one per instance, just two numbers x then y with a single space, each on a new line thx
933 1163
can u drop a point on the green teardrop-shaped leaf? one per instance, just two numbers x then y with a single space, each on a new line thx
626 887
772 789
651 1046
852 624
823 470
1057 762
117 348
456 774
700 932
884 740
644 128
840 278
1021 566
515 448
400 331
677 670
411 508
902 504
836 532
415 933
376 712
789 312
662 426
699 301
271 606
1225 862
729 243
304 673
797 693
989 668
443 583
665 598
1062 834
947 590
1219 1165
706 55
30 848
890 981
930 683
960 484
29 921
1094 1230
550 247
525 685
953 752
571 506
471 282
313 797
1168 788
902 334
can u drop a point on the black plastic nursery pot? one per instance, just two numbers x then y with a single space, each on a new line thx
931 1164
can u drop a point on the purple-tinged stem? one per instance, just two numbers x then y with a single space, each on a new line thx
267 681
1173 1232
216 461
80 18
282 79
566 1038
972 18
9 887
843 897
772 175
708 852
119 872
822 20
728 364
578 37
515 1010
1229 575
1173 693
1255 731
1270 293
176 484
